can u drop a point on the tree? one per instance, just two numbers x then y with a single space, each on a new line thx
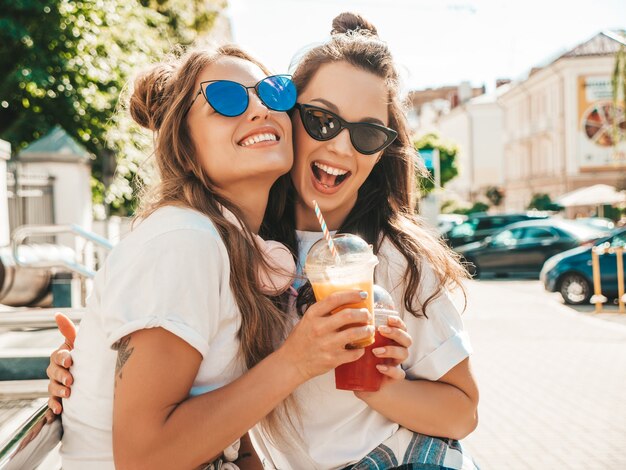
495 194
618 85
65 63
543 202
447 157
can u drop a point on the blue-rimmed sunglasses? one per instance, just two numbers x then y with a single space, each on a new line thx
231 99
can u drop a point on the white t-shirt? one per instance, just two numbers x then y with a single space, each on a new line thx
172 271
338 429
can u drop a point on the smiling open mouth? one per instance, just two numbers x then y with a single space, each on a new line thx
328 176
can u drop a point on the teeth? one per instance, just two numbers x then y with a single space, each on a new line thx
330 170
258 138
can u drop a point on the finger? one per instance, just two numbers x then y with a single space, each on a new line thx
396 322
67 328
55 405
348 316
59 374
352 335
395 373
399 336
57 390
350 355
397 353
62 358
336 300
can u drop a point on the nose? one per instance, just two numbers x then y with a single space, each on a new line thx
256 108
341 144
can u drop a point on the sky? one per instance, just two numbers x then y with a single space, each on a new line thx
435 42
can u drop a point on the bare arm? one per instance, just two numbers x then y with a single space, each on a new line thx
157 425
445 408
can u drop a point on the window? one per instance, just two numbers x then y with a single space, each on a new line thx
536 233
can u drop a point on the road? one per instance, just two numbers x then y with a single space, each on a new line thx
552 380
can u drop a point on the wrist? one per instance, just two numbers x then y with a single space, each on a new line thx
291 372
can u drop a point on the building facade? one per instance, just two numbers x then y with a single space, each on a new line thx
558 132
476 128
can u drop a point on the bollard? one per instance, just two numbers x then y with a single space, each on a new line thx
619 254
597 297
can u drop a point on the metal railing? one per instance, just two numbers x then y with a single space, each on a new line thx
30 199
34 440
26 231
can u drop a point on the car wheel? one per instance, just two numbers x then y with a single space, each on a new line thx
575 289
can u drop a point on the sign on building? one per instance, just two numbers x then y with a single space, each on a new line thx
596 131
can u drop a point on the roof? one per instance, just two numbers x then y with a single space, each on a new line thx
603 43
56 146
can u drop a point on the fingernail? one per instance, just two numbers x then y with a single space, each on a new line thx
55 410
378 351
64 393
382 367
384 329
363 294
64 381
64 362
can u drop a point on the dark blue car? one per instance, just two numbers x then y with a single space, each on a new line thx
570 272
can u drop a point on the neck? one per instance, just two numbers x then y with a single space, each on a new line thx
306 219
252 203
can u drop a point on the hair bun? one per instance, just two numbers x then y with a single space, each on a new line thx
148 93
352 22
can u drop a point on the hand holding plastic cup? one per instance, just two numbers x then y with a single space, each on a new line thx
351 267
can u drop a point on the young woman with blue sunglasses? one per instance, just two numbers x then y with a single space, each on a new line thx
363 179
182 349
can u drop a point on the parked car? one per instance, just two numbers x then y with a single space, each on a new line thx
478 227
445 222
523 247
601 222
570 272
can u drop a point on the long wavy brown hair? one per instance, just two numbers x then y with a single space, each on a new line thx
161 98
386 203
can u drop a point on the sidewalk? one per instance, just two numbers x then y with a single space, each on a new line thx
552 381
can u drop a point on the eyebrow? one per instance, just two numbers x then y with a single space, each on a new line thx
333 107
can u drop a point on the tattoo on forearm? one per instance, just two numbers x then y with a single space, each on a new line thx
123 354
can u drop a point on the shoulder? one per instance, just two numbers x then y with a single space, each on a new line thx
171 233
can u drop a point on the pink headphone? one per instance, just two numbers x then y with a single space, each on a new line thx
282 267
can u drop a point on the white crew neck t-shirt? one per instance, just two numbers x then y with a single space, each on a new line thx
172 271
337 428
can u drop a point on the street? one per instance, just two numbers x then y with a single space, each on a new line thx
552 379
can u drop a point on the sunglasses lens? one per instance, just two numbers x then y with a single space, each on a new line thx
227 98
278 92
368 139
320 125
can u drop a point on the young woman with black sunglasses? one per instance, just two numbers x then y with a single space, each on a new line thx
354 156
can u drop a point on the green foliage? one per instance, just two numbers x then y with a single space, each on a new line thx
447 157
495 195
543 202
65 63
476 207
618 85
